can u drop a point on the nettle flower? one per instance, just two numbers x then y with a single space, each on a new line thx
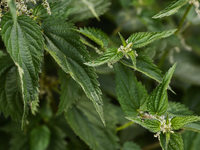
196 4
22 7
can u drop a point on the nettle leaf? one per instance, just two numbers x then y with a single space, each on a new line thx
175 142
158 101
177 109
24 42
131 94
40 138
152 125
110 55
130 146
63 43
11 102
178 121
164 140
12 9
145 65
142 39
69 92
85 9
132 55
58 9
192 126
95 35
171 9
83 119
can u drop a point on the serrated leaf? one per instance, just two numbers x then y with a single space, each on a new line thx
11 102
142 39
12 9
130 146
62 42
177 109
122 39
192 126
158 100
131 93
40 138
58 9
95 35
24 42
132 55
69 92
83 119
191 140
84 9
171 9
145 65
164 140
178 121
175 142
110 55
152 125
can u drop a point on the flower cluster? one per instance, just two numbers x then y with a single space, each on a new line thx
196 4
165 126
22 7
126 49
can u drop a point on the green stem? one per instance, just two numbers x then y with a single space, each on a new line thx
183 18
124 126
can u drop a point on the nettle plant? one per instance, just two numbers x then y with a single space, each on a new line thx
32 30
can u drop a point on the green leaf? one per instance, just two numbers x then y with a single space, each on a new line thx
175 142
152 125
95 35
158 101
83 119
191 140
62 42
11 102
145 65
164 140
25 45
131 93
84 9
192 126
40 138
178 121
171 9
69 92
142 39
12 9
177 109
132 55
58 9
122 39
110 55
130 146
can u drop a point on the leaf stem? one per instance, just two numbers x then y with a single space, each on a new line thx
183 18
124 126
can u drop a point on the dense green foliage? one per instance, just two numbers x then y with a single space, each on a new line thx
99 74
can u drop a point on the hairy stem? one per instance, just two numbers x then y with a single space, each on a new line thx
124 126
183 18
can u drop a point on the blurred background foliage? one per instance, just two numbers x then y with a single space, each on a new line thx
53 132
